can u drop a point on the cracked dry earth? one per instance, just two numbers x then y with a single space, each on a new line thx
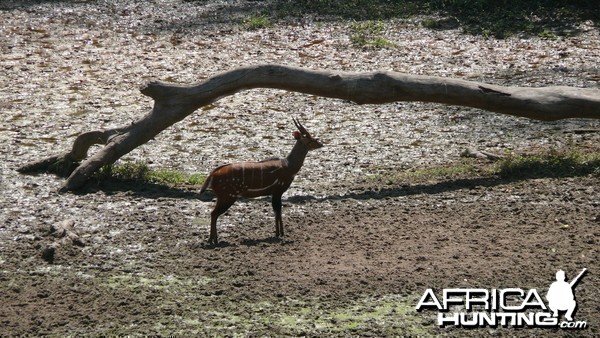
361 245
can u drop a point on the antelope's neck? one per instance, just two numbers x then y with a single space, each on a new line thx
296 157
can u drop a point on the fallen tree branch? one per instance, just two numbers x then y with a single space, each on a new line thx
64 164
173 102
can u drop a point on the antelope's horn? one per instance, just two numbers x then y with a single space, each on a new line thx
300 127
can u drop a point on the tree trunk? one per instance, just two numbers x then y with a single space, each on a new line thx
174 102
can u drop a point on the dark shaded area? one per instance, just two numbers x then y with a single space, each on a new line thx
545 18
505 177
487 17
265 241
552 166
523 168
23 4
503 18
144 189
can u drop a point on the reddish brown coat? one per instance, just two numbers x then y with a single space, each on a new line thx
250 179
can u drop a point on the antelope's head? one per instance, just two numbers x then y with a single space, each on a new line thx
303 136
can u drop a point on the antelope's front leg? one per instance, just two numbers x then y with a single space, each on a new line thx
276 202
212 238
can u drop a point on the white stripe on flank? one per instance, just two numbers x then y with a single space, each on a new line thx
265 188
243 172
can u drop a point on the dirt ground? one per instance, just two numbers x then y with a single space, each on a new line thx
362 242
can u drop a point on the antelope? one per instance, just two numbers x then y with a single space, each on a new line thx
253 179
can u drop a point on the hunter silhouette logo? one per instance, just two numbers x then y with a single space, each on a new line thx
560 296
510 307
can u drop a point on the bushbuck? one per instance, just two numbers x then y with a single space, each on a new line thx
253 179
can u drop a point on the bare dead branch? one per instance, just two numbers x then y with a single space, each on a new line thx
173 102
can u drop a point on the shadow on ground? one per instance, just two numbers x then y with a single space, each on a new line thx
523 170
545 18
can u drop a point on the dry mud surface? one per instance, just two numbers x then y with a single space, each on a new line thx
360 249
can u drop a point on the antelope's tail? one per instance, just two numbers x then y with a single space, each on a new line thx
206 184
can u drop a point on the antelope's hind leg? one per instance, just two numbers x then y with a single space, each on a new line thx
276 202
220 208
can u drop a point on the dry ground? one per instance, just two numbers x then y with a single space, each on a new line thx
362 243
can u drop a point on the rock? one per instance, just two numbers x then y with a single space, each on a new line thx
65 230
480 154
48 253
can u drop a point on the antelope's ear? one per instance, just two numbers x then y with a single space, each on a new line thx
297 135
